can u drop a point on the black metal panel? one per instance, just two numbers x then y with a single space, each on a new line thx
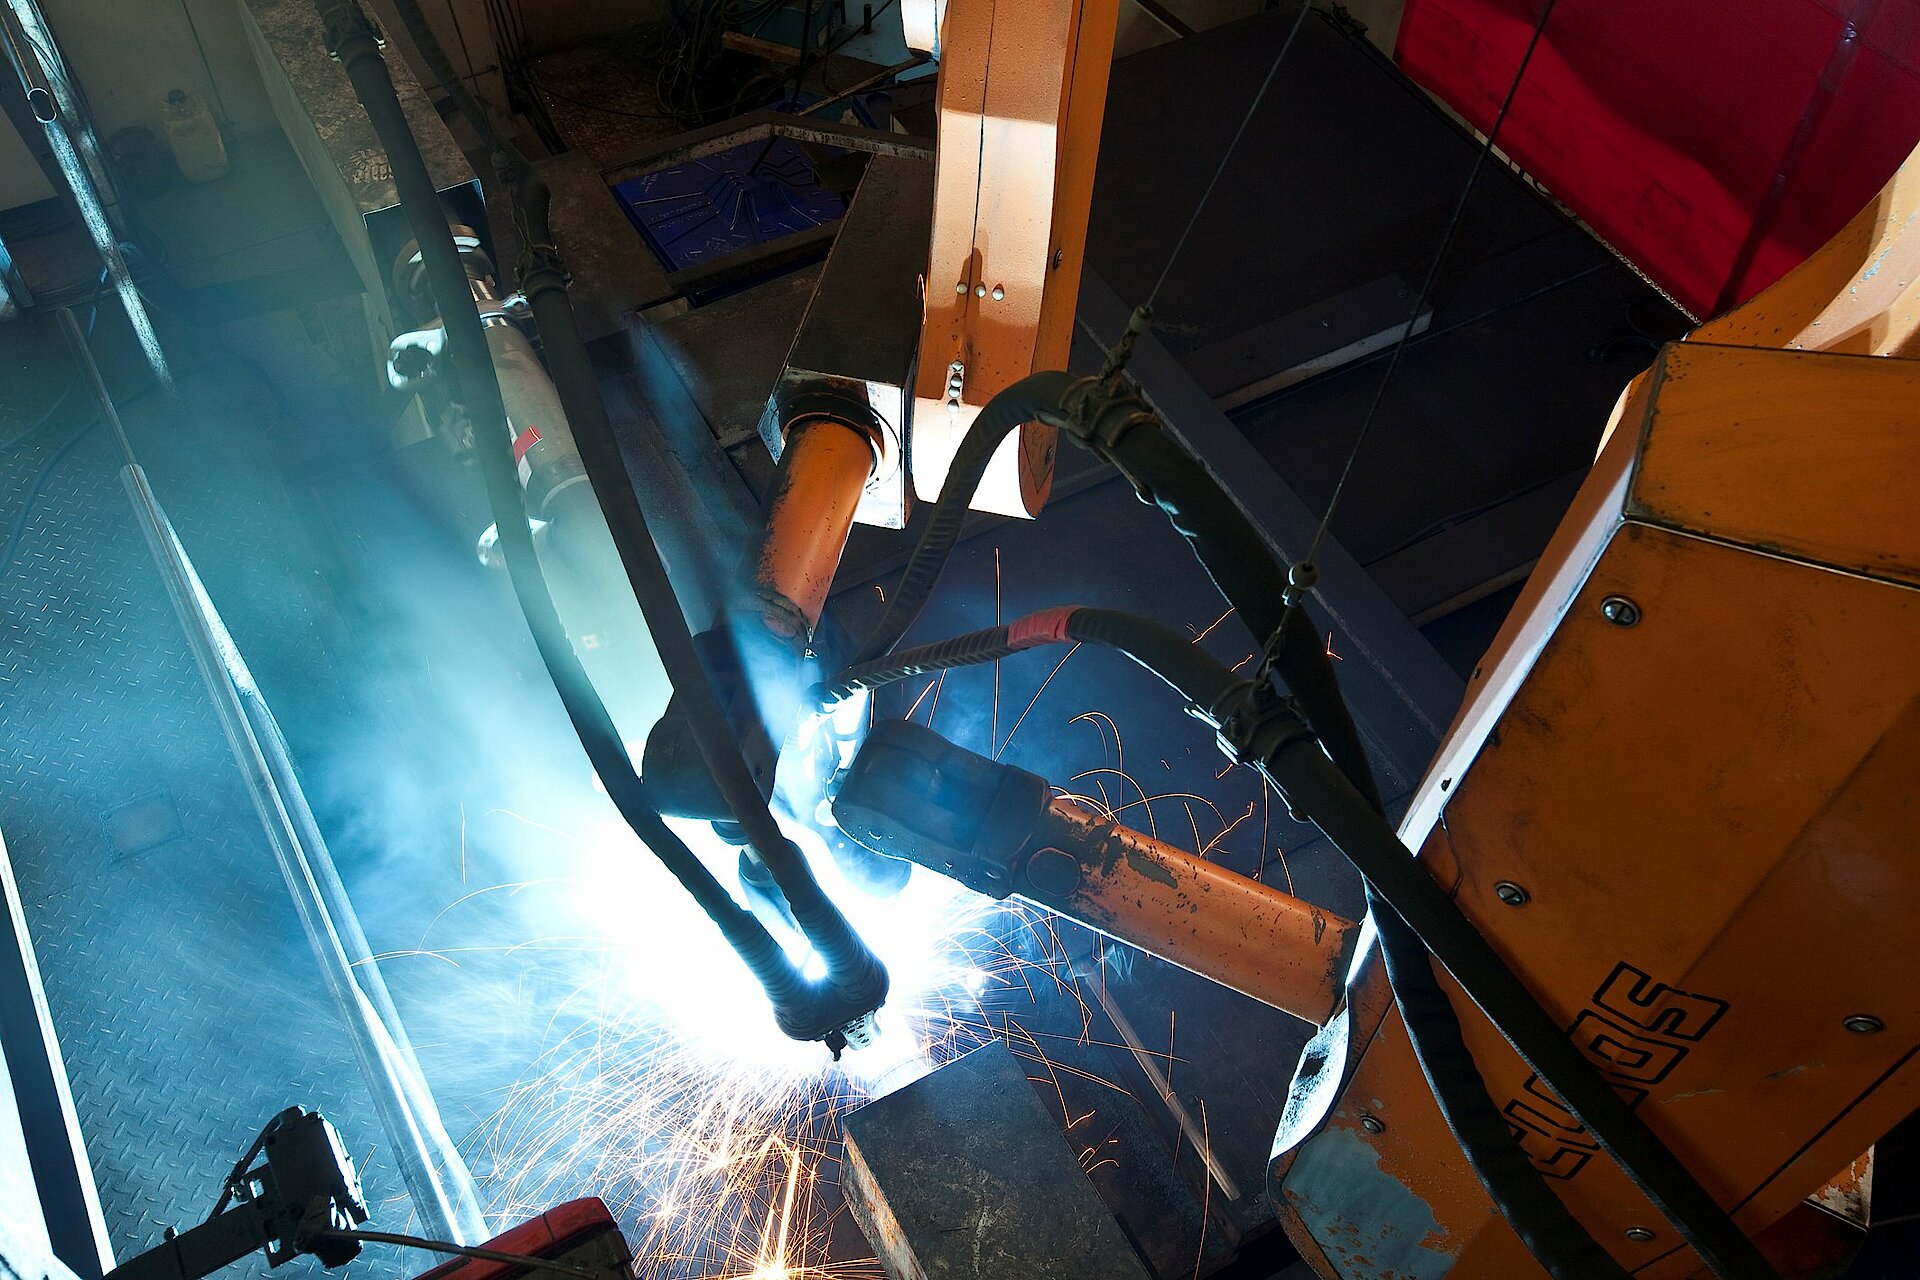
964 1174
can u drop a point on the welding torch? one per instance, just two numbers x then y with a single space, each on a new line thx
839 1009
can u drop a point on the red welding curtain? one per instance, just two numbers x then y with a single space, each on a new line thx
1715 143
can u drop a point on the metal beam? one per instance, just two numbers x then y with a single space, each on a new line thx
1404 694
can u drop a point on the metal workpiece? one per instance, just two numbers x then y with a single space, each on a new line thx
1258 940
853 356
965 1175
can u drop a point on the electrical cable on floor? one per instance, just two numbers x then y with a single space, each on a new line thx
461 1251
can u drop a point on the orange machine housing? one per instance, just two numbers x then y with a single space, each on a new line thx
1680 802
1023 87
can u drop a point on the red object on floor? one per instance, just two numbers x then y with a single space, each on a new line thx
579 1233
1714 143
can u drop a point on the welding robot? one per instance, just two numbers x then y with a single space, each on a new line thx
1634 991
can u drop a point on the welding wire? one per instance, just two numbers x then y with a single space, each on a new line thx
1035 398
472 368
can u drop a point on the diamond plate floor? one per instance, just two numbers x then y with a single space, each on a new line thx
183 992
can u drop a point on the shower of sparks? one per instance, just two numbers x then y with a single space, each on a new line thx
667 1090
664 1086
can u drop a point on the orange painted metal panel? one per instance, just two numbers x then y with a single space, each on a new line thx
1727 458
1710 811
1022 93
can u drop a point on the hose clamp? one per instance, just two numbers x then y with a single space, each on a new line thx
1253 722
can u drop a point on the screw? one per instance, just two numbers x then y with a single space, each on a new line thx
998 293
1639 1235
1059 256
1620 611
1373 1124
1863 1024
1510 893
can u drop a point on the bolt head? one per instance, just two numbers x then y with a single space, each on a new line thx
1511 894
1863 1024
1373 1124
1620 611
1639 1235
1053 872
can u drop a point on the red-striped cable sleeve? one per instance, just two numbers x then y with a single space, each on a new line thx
1047 626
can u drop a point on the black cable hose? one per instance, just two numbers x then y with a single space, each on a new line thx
1252 579
1035 398
1310 781
851 966
969 650
1229 547
473 372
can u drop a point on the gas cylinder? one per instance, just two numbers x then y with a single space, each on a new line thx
197 146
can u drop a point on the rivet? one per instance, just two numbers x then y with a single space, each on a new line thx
1620 611
1863 1024
1511 894
998 293
961 287
1639 1235
1373 1124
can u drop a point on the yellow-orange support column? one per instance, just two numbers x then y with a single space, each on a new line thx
822 471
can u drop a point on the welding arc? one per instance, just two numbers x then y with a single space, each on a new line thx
852 969
472 367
